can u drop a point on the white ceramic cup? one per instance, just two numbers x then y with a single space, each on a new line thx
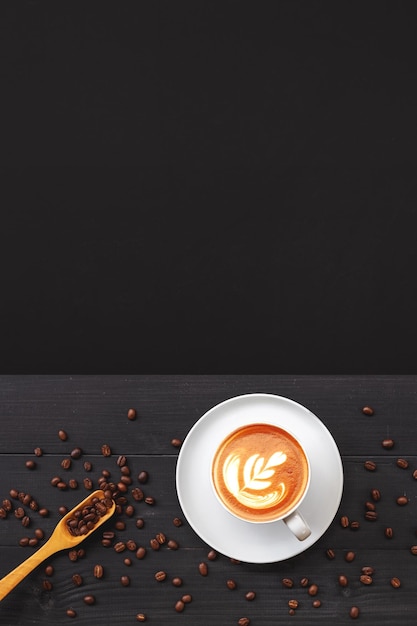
291 516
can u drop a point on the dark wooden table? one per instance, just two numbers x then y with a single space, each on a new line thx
93 411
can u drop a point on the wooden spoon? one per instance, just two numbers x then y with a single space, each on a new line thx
60 539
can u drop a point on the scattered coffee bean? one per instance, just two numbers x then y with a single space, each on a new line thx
154 543
304 582
388 444
140 523
389 533
344 521
62 435
98 571
179 606
250 595
354 525
3 513
230 584
150 500
293 604
63 510
367 410
177 581
371 516
211 555
244 621
33 542
350 556
125 581
402 463
330 553
120 525
131 414
174 545
366 580
160 576
30 465
49 570
7 505
375 495
368 570
121 460
72 555
187 598
90 599
24 541
291 612
143 477
131 545
120 546
87 466
72 483
413 550
105 450
38 452
160 537
77 579
14 494
370 466
71 613
66 463
76 453
26 521
316 604
313 590
354 612
178 522
203 568
140 552
47 585
19 512
176 442
343 581
43 512
402 500
127 561
370 506
141 617
395 582
288 583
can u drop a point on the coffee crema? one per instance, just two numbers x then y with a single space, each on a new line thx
260 472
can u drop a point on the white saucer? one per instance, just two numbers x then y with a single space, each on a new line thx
257 543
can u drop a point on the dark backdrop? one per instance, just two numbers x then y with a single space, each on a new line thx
201 186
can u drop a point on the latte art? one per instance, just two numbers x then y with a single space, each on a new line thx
260 472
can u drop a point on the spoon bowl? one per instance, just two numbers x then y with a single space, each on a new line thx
65 535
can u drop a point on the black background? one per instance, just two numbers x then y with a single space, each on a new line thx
208 187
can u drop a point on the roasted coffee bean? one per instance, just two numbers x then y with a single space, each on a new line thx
3 513
203 568
71 613
76 453
125 581
14 494
125 479
121 459
367 410
38 452
230 584
105 450
121 487
33 542
88 483
343 581
49 570
388 444
291 612
72 555
179 606
370 466
395 582
330 553
89 599
211 555
344 521
176 442
187 598
66 463
250 595
366 580
30 464
98 571
47 585
178 521
39 534
143 477
140 552
174 545
244 621
371 516
131 414
349 556
62 485
402 463
33 505
177 581
125 470
370 506
55 480
26 521
293 604
287 582
313 590
120 546
43 512
87 466
402 500
120 525
127 561
137 494
72 483
354 612
160 537
354 525
160 576
7 505
140 523
389 533
154 543
316 604
413 549
375 495
304 582
62 435
131 545
63 510
368 570
141 617
150 500
19 512
77 579
24 541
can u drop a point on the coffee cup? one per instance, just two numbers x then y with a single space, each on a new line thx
260 473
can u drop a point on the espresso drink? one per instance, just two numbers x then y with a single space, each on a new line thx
260 472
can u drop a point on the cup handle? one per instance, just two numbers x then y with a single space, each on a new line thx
297 525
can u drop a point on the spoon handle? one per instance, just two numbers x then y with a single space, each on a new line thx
13 578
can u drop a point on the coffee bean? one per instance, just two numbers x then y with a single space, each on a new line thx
313 590
354 525
49 570
125 581
293 604
402 500
66 463
137 494
121 460
160 576
120 546
343 581
330 553
19 512
89 599
371 516
402 463
177 581
72 555
395 582
140 523
178 521
211 555
24 541
62 485
288 583
143 477
370 466
154 543
77 579
30 465
47 585
43 512
366 580
174 545
413 549
187 598
176 442
367 410
7 505
33 542
87 466
244 621
141 617
291 612
120 525
14 494
127 561
71 613
3 513
131 414
370 506
72 483
105 450
250 595
354 612
179 606
76 453
388 444
150 500
131 545
375 495
98 571
38 452
349 556
140 552
62 435
344 521
203 568
26 521
389 533
368 570
316 604
160 537
304 582
230 584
